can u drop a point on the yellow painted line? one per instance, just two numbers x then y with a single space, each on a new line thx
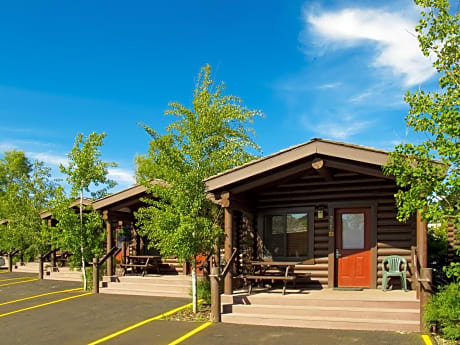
139 324
44 304
427 339
17 278
192 332
22 281
4 272
37 296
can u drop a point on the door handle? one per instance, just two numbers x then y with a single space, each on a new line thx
337 254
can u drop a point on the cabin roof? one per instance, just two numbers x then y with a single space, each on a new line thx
124 194
111 199
358 153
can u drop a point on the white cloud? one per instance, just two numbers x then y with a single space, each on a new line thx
392 32
330 86
337 128
360 97
48 158
122 176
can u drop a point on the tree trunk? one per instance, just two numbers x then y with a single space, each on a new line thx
83 268
194 294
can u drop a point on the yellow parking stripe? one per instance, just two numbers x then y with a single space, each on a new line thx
192 332
17 278
44 304
4 272
41 295
427 339
22 281
139 324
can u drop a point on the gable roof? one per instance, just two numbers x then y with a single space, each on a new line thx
130 192
358 153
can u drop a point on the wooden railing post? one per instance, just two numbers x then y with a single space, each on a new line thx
53 258
40 267
426 277
95 275
10 262
215 293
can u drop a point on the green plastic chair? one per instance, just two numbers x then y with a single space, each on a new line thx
394 270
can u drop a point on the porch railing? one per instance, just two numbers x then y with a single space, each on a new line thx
98 263
423 278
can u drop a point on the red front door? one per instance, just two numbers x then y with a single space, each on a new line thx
353 244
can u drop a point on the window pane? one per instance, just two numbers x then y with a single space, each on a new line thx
296 222
274 236
352 230
296 229
277 224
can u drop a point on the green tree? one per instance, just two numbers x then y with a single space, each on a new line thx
212 136
14 165
433 188
26 193
428 186
85 171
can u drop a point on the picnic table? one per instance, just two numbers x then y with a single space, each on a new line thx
142 263
272 271
63 257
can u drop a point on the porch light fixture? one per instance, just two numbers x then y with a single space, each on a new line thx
320 213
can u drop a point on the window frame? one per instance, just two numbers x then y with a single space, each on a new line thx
283 212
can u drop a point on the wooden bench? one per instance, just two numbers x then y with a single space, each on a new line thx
256 278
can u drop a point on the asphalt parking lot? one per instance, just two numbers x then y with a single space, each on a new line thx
58 312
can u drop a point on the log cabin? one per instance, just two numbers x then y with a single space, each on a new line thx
323 203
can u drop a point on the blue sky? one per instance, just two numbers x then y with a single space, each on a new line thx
329 69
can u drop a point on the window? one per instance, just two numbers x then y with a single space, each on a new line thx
287 234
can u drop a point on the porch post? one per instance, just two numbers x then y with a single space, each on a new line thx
422 245
108 227
123 244
228 245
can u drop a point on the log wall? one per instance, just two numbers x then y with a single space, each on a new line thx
349 190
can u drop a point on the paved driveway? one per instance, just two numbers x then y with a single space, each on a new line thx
230 334
38 313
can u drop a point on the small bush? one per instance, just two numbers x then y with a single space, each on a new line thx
203 290
444 311
437 253
89 276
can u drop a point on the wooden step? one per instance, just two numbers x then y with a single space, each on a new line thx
322 322
140 292
376 314
149 287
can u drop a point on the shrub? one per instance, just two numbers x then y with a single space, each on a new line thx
203 289
437 253
443 310
89 275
